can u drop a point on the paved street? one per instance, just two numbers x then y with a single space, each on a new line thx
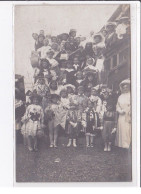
79 164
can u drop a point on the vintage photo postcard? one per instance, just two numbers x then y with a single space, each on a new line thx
73 105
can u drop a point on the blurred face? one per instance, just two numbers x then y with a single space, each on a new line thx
42 32
35 36
75 61
90 78
44 65
71 39
54 100
54 39
59 41
67 45
41 39
104 32
69 65
88 45
73 34
41 81
109 108
70 90
35 101
79 76
110 28
97 39
64 94
125 89
48 36
106 95
65 37
46 42
78 40
80 91
90 104
50 55
53 86
90 61
94 93
54 47
63 64
87 93
30 93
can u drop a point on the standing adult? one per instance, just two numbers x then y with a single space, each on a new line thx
123 135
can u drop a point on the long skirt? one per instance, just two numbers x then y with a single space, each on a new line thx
30 128
107 135
123 134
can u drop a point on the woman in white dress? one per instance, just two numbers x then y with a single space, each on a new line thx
123 135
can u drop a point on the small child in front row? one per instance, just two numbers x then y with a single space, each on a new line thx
90 122
109 125
33 122
73 125
51 120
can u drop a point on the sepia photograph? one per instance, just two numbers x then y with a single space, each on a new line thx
73 120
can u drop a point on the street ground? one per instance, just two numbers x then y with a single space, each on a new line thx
79 164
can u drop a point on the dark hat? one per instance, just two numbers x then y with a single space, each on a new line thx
88 73
72 30
98 35
41 35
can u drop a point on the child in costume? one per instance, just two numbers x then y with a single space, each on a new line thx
90 121
109 117
33 122
73 125
109 125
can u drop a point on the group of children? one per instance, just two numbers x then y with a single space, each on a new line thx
68 92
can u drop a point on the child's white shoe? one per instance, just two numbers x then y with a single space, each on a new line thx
69 144
74 143
105 148
30 149
51 146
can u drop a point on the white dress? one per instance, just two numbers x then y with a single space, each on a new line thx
32 120
123 135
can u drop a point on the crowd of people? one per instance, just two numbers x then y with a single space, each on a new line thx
69 92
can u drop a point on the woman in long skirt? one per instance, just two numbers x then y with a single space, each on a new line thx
123 135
